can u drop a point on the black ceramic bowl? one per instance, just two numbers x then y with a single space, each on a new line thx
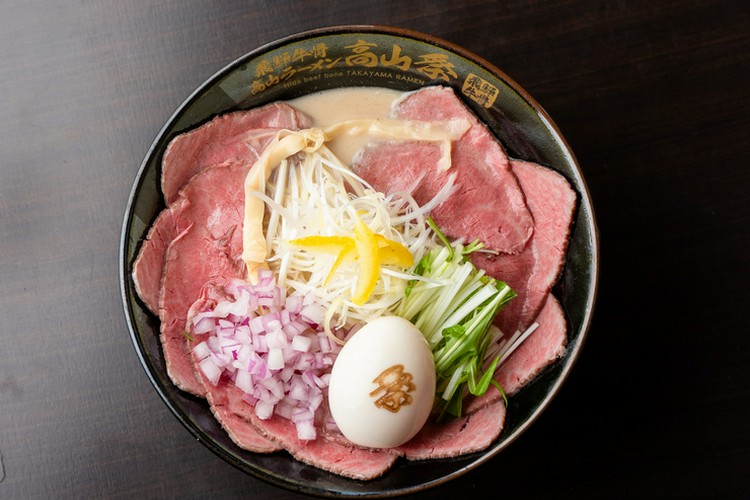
383 57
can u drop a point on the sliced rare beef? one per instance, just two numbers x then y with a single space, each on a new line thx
544 346
457 436
487 205
207 253
149 265
241 432
240 135
548 344
348 461
533 272
334 455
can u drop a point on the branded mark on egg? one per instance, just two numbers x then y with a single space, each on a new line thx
397 384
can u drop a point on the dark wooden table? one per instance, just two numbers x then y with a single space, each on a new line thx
653 97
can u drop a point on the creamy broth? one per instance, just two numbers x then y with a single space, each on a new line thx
329 107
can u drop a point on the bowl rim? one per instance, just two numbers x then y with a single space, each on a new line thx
572 353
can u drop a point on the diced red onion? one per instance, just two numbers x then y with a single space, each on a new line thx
244 381
272 322
210 370
263 409
304 362
201 351
259 368
262 344
307 376
301 343
287 373
227 343
286 317
220 359
242 334
290 356
316 399
256 325
295 328
326 345
298 390
275 358
223 323
313 313
306 430
284 409
271 347
263 394
301 414
294 304
276 339
203 325
233 288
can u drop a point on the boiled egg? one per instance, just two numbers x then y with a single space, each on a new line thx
382 384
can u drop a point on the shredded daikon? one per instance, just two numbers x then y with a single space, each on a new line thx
308 191
321 200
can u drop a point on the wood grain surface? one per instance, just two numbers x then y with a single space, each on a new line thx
652 97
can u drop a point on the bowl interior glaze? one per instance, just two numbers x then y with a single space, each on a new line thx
365 56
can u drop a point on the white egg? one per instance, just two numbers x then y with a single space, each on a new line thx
383 384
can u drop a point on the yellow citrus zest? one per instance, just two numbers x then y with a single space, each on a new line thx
368 256
346 255
368 248
393 252
324 244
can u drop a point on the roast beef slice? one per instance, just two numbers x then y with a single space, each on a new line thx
457 436
534 271
544 346
348 461
149 264
207 253
488 203
240 135
331 455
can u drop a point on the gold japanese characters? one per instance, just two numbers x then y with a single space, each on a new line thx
394 386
